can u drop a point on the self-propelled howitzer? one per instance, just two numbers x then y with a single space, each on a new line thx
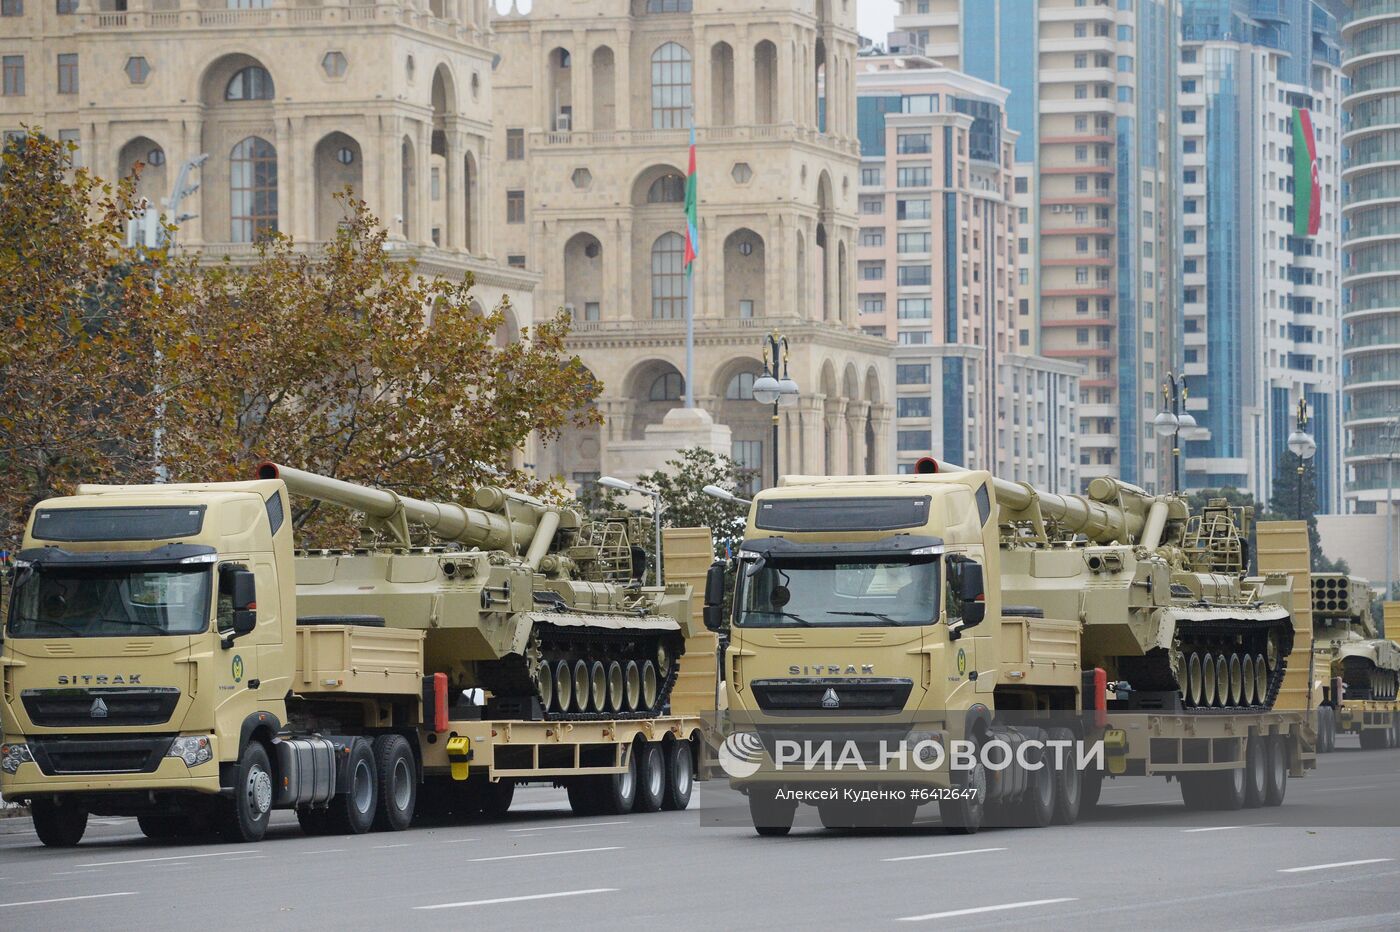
1162 594
517 597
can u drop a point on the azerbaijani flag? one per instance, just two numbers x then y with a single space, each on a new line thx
692 213
1307 196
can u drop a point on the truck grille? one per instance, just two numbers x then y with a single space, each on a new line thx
118 754
66 708
816 694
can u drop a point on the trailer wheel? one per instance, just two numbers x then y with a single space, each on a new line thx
1036 806
58 824
245 816
584 796
1256 771
398 783
771 816
651 777
1069 784
1277 770
618 791
495 798
352 812
1216 789
680 776
1372 739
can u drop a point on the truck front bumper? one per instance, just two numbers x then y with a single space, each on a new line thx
163 774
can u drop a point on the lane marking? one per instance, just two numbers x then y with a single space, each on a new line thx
325 851
173 857
68 899
1323 867
458 841
519 899
550 828
1348 789
949 914
547 854
942 854
404 845
1226 828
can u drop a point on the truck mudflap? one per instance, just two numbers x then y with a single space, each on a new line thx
305 771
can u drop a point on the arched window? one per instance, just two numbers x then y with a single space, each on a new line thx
668 6
668 189
251 83
667 387
252 190
740 387
670 87
668 277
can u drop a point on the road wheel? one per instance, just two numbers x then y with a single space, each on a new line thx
162 828
398 783
245 816
1217 789
585 797
1256 771
963 815
1372 739
352 812
1090 786
1037 805
1069 782
58 823
619 790
1322 728
680 776
313 821
495 798
771 816
1277 784
651 777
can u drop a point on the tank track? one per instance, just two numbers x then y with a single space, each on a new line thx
1365 680
1229 638
511 678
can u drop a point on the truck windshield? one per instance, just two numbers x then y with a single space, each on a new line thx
840 593
109 602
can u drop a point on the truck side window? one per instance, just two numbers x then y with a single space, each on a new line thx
224 620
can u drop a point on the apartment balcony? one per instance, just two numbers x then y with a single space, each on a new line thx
1096 319
1097 11
1105 229
1079 139
1080 291
1101 349
1096 167
1368 13
749 331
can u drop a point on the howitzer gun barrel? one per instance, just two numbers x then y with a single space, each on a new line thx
512 531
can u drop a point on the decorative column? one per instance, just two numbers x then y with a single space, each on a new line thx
881 417
811 409
454 187
840 448
857 414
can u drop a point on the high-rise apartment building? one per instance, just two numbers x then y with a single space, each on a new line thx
1371 269
1092 97
936 271
1261 296
594 105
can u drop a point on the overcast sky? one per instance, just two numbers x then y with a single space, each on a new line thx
876 18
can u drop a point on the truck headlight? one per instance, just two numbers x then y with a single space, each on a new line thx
12 755
193 750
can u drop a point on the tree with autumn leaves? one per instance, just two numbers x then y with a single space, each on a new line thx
122 365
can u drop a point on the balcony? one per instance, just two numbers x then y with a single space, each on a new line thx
680 138
214 15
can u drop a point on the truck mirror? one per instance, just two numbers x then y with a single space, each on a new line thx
239 585
714 596
965 580
970 587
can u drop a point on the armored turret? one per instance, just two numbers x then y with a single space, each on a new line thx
1346 642
506 596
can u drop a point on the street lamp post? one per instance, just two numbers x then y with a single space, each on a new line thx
1302 445
657 509
1392 436
1173 419
775 387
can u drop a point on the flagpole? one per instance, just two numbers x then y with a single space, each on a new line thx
692 252
689 335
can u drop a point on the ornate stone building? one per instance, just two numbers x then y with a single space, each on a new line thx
291 103
593 104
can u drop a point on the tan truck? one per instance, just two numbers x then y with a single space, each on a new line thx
949 606
168 655
1358 672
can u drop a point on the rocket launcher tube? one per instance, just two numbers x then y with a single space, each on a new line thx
470 526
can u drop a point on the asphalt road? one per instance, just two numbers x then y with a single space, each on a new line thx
1141 862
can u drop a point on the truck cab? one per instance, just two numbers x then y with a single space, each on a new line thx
145 643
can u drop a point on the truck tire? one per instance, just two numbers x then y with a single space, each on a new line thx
584 796
618 791
244 817
1256 771
1036 807
398 783
58 824
1090 787
495 798
352 812
1069 784
680 776
1277 784
1372 739
163 828
771 816
651 777
313 821
964 815
1221 790
1328 740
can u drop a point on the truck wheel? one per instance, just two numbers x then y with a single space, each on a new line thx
312 821
1217 789
495 798
352 812
1372 739
245 816
1069 784
680 776
585 796
964 815
1090 786
1330 735
618 792
771 816
162 828
1036 806
1277 783
58 824
1256 771
651 777
398 783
